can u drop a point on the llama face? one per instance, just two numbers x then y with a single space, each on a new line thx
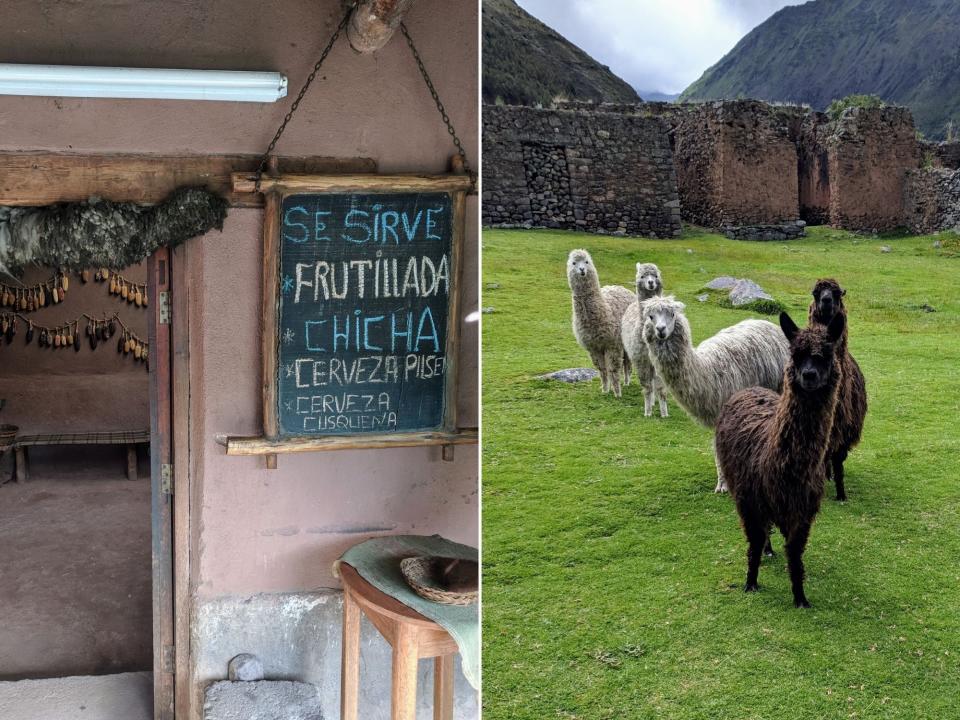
811 364
660 319
828 298
649 281
580 268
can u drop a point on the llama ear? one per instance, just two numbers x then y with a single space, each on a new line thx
788 326
835 328
843 293
638 266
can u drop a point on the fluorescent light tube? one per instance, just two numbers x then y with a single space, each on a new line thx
115 82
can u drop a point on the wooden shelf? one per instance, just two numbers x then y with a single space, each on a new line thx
246 445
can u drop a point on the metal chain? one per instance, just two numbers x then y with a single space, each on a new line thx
440 108
303 91
316 69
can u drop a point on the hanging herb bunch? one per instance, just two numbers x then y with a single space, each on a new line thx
66 335
35 297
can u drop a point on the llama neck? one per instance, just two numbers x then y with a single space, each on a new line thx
644 294
802 425
676 357
817 318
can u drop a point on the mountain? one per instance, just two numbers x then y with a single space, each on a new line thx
905 52
657 96
526 63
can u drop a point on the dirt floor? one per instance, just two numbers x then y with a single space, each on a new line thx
75 576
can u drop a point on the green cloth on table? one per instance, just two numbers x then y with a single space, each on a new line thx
378 562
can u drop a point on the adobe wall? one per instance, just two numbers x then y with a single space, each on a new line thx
870 151
603 172
737 167
263 542
932 200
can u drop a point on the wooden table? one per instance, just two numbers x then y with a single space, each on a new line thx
412 637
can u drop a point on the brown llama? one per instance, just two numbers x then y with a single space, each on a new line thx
852 405
771 447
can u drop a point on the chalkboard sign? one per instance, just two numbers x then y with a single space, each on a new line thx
363 312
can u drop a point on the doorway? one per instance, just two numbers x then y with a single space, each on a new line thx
86 578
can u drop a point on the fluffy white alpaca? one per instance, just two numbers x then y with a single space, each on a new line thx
649 285
596 318
749 354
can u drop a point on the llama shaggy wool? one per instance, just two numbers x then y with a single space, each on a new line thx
649 284
852 405
771 447
101 233
596 318
750 353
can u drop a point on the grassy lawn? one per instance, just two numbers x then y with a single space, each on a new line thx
613 574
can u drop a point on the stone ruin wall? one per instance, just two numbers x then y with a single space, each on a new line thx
749 169
932 200
814 169
940 155
569 169
870 152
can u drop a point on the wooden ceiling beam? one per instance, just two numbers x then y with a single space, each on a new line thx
38 178
374 22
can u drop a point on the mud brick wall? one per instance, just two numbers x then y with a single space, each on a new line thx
870 152
737 162
931 200
605 172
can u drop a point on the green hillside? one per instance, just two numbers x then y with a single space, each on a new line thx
526 63
905 52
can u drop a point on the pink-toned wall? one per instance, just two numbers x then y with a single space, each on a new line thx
58 390
255 530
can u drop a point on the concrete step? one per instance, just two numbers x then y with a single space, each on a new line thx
125 696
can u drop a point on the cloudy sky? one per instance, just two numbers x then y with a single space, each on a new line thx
661 45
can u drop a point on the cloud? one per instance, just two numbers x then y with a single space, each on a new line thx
659 45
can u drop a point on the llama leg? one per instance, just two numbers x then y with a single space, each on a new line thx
837 460
721 482
627 369
647 401
756 538
796 543
601 367
662 396
614 361
768 547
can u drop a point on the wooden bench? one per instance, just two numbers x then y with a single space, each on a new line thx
130 438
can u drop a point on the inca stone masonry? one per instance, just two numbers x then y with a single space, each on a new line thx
746 168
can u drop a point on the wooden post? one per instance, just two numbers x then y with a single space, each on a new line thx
271 268
350 664
403 696
20 460
374 22
443 687
131 462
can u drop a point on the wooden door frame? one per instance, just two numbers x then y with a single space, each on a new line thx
170 513
161 478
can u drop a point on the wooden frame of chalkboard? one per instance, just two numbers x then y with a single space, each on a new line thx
410 210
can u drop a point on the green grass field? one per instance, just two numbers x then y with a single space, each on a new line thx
613 574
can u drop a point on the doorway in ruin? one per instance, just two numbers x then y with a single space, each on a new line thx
85 505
